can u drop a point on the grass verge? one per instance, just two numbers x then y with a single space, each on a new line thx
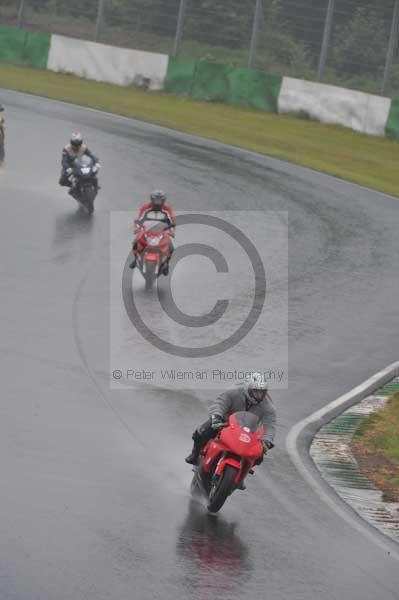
376 448
366 160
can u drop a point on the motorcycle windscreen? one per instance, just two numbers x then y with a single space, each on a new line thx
83 162
156 229
248 420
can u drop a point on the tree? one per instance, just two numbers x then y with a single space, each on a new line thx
360 47
152 16
220 22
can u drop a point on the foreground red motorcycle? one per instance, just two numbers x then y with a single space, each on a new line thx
155 240
227 459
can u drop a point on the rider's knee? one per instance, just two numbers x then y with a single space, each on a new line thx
196 437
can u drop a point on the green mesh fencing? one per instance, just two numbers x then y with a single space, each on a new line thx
180 76
21 47
254 89
36 49
211 82
216 82
392 126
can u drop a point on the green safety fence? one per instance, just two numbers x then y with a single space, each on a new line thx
214 82
180 76
392 126
24 47
211 82
254 89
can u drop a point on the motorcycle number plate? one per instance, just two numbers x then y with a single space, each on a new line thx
245 438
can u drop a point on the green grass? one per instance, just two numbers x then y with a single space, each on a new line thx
380 431
363 159
376 446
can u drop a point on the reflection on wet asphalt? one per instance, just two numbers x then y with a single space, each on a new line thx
216 561
71 229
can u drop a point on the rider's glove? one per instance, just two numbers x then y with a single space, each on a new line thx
216 421
69 171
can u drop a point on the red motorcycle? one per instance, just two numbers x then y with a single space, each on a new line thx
154 240
226 460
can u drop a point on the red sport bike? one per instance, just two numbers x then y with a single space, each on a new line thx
155 240
226 460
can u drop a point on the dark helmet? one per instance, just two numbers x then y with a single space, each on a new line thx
158 199
76 139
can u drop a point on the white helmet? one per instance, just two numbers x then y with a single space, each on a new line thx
256 387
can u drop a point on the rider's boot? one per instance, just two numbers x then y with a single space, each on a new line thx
133 263
72 189
193 457
165 268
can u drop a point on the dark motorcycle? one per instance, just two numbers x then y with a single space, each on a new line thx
84 182
226 460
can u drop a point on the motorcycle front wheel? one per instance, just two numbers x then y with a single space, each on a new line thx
221 489
149 275
89 194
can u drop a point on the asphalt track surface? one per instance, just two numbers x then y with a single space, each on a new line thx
94 497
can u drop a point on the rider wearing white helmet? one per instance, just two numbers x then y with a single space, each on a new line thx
251 396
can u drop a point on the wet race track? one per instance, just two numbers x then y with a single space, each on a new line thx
94 497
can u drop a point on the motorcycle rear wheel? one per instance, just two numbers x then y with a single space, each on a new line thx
222 489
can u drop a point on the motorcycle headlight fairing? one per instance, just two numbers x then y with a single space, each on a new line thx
153 241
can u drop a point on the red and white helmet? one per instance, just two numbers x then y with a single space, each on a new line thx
76 139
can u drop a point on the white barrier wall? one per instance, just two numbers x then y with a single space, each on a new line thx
120 66
330 104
